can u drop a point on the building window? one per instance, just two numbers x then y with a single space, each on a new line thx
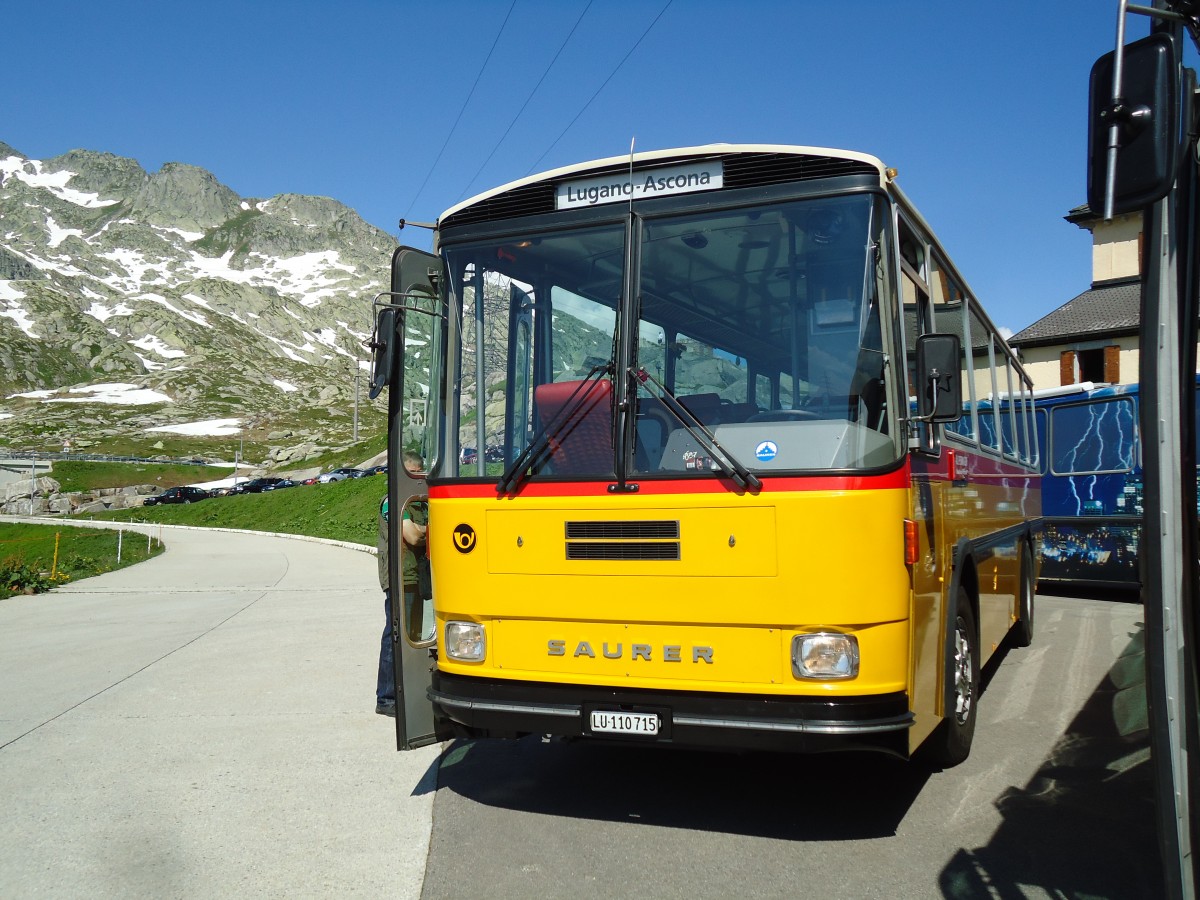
1097 364
1091 364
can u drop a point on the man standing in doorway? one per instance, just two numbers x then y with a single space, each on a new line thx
413 524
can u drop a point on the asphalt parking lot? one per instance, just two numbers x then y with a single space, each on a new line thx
203 725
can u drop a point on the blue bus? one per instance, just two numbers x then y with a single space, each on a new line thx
1092 503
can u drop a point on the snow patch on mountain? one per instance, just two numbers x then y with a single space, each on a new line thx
211 427
115 393
31 171
103 313
152 344
11 308
58 235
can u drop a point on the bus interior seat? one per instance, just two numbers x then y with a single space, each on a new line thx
583 442
872 400
705 407
739 412
654 423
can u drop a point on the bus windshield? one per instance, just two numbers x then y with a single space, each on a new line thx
763 323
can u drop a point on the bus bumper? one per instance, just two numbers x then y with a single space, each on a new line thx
486 707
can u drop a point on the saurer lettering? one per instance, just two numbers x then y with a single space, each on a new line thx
637 652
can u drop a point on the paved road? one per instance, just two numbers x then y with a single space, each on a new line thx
1053 802
212 738
220 741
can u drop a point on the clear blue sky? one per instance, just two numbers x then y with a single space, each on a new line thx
981 106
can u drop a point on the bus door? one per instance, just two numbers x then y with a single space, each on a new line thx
410 312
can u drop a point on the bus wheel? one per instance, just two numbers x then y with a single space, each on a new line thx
950 743
1023 632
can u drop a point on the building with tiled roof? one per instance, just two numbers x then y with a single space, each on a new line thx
1094 336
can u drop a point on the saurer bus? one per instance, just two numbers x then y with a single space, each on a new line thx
721 451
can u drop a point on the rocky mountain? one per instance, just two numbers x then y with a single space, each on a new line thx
132 301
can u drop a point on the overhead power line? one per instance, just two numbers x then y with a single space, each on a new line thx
462 110
562 46
611 74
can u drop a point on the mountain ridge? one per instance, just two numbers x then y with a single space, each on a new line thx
169 281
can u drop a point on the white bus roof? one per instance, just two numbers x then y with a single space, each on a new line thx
650 156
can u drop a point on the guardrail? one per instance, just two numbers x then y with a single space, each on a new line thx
16 455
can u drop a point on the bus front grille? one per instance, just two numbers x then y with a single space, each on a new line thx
648 539
633 530
623 550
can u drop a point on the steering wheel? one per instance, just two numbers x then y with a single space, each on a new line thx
783 415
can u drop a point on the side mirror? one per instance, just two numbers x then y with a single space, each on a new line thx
383 351
939 378
1133 139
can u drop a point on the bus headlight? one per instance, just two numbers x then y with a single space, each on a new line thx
825 656
465 641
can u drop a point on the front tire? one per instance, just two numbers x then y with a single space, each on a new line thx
950 742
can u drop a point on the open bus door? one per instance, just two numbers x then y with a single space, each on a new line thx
412 303
1142 145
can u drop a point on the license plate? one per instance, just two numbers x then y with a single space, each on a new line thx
624 722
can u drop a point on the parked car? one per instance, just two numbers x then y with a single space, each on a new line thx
281 483
340 475
177 495
377 470
254 486
468 456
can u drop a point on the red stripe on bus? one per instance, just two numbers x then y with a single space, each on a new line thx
977 465
897 479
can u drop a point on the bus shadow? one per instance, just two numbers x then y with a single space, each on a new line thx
858 795
1084 825
754 794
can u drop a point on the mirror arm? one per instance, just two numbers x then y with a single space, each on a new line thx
934 376
1153 13
376 301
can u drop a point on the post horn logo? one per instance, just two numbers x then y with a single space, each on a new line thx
464 538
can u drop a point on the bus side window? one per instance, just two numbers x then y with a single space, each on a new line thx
918 318
1091 438
950 317
984 384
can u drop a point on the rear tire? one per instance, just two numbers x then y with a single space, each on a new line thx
950 742
1023 631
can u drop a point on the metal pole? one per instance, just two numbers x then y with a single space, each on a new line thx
1114 130
357 375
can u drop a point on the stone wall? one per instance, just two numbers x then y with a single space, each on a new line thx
42 497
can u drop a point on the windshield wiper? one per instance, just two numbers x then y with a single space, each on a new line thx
729 465
533 455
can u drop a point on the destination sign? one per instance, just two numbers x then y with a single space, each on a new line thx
615 188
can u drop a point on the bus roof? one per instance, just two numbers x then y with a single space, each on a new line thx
650 156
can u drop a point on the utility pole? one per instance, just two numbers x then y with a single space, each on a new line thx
357 375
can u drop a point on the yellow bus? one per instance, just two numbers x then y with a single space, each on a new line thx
721 451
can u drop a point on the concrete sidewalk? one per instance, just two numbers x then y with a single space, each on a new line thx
203 725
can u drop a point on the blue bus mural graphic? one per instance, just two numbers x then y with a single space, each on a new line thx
1091 484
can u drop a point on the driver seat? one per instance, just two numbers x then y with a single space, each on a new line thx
583 442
